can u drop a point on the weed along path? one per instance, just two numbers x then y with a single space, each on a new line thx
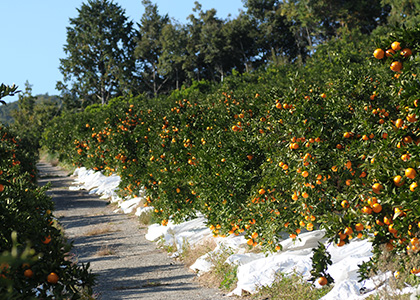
128 266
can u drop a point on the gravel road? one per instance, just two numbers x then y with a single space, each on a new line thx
128 266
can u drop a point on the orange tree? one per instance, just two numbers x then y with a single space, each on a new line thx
27 222
330 145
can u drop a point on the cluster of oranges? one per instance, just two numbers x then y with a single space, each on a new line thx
396 65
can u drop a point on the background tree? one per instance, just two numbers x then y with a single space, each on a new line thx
275 40
241 34
173 40
149 47
99 63
316 21
403 11
33 114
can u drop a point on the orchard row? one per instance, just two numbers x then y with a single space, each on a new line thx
331 145
34 256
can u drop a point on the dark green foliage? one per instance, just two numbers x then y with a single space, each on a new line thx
99 63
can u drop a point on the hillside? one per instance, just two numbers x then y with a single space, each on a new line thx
41 100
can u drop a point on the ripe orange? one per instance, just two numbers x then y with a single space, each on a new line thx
28 273
377 187
367 210
405 157
261 191
399 123
389 53
1 187
305 174
254 235
345 204
387 220
391 228
396 46
46 240
413 186
410 173
397 180
406 52
294 146
411 118
359 227
52 278
379 53
348 231
396 66
377 208
322 280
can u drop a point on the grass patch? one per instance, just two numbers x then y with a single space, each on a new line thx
290 287
105 251
389 262
147 218
99 231
222 275
191 254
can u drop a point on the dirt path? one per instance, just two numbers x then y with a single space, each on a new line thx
128 266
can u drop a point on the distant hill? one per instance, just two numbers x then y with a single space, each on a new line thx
5 116
5 110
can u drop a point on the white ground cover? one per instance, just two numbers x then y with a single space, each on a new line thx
254 269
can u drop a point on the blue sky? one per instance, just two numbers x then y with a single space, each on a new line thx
33 33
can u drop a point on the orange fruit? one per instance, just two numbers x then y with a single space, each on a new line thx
367 210
397 180
261 191
396 46
52 278
389 53
322 280
46 240
1 187
396 66
406 52
391 228
411 118
254 235
410 173
378 53
305 174
413 186
28 273
345 204
399 123
348 231
377 187
377 208
359 227
405 157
